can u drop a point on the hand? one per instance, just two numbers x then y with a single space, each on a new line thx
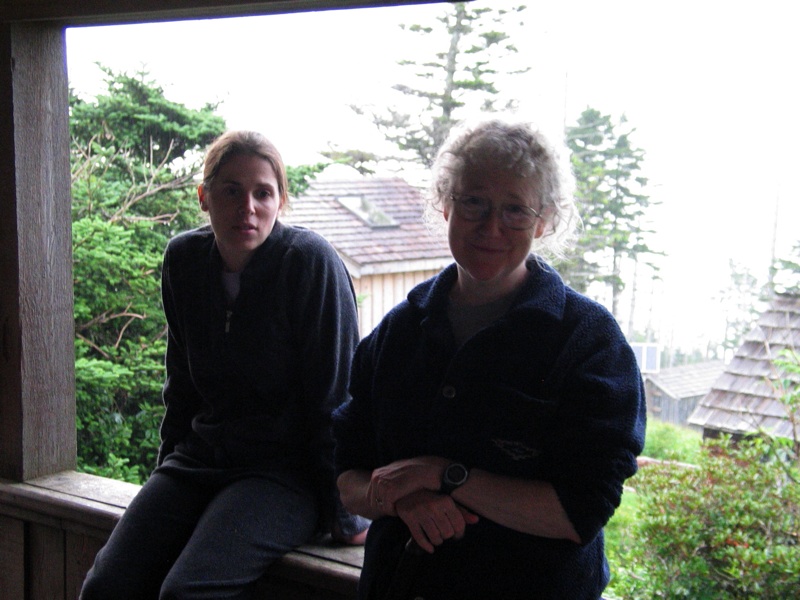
433 518
390 483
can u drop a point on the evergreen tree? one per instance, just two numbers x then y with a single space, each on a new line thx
134 158
609 191
462 76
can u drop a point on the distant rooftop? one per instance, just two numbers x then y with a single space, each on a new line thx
375 224
688 381
744 399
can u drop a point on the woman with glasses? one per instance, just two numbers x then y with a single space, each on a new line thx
496 412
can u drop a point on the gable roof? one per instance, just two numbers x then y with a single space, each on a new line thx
375 224
687 381
744 399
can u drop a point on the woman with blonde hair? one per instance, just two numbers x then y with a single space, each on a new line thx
262 325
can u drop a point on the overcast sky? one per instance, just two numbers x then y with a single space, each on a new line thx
711 87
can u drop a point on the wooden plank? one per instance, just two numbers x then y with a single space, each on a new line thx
56 509
45 563
317 573
80 12
12 557
85 486
37 398
70 523
349 556
80 551
270 588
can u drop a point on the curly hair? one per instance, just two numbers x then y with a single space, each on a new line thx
520 149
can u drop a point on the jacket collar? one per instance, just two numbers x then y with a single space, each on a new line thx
256 262
543 290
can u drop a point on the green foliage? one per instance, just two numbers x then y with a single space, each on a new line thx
786 273
134 158
609 190
619 531
136 119
666 441
727 528
300 177
787 388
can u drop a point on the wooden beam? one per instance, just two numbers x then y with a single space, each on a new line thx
83 12
37 382
37 373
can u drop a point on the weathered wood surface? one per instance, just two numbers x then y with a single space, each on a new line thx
37 328
12 557
126 11
69 516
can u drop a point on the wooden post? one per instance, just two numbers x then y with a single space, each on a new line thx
37 377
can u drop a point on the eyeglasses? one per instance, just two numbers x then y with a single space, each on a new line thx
513 216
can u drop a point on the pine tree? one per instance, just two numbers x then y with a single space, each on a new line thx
458 80
612 204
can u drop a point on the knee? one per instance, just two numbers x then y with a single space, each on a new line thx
97 586
177 588
183 588
108 583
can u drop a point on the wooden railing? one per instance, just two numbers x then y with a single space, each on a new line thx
52 527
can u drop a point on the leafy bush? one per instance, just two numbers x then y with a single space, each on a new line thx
134 157
619 531
727 528
666 441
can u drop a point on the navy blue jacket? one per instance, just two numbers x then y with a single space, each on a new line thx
551 391
252 387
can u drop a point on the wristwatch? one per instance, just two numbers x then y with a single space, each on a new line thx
455 475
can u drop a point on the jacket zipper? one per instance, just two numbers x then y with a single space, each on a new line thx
228 314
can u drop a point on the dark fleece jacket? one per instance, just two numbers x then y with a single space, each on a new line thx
252 386
551 391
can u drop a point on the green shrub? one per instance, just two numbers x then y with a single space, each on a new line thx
666 441
619 531
727 528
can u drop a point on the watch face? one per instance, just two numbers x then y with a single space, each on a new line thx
456 474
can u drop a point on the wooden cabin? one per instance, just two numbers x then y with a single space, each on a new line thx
673 393
376 225
52 519
745 399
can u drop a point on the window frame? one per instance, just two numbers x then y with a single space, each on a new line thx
37 358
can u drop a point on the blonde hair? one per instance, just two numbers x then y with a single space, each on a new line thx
248 143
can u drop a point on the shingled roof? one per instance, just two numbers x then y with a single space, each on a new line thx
687 381
375 224
744 400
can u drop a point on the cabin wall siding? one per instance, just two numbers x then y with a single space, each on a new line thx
378 294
